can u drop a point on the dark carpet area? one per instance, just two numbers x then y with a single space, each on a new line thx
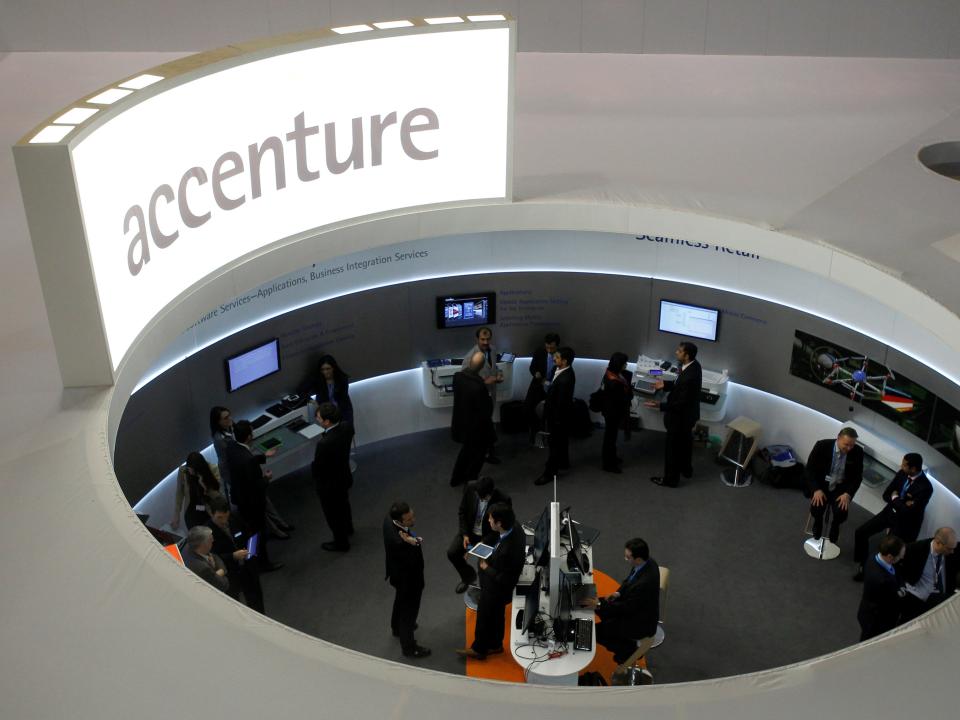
743 595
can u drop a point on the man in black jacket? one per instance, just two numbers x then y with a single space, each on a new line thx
681 410
472 422
499 574
542 368
633 611
834 474
906 498
880 604
929 573
230 544
558 415
404 557
331 472
198 556
248 487
477 497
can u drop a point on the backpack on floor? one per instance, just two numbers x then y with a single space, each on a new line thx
581 425
513 417
779 467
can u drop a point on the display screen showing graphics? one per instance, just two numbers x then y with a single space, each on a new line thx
208 171
253 364
691 321
465 310
874 385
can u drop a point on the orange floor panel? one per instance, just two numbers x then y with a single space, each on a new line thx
505 668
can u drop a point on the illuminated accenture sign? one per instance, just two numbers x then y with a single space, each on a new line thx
210 170
143 225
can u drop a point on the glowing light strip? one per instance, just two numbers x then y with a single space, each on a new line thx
486 271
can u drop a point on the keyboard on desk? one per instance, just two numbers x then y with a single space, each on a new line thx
581 634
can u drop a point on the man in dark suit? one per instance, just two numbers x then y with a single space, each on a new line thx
477 497
929 573
499 574
331 472
906 498
472 423
248 482
558 414
880 604
681 410
834 473
198 556
491 376
632 612
404 557
230 545
542 368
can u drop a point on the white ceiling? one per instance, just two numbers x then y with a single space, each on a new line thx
866 28
821 148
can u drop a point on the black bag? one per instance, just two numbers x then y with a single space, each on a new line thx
513 417
592 679
596 400
581 425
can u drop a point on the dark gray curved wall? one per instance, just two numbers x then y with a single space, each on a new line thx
393 328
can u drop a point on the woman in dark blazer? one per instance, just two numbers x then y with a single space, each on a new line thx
332 385
617 394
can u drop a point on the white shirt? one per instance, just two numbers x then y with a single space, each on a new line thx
925 585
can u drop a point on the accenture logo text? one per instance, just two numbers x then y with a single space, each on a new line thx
196 203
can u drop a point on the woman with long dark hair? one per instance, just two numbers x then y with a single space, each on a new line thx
332 385
197 482
221 430
617 394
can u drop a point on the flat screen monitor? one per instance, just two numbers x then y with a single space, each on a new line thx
577 559
531 606
565 601
455 311
689 320
541 538
253 364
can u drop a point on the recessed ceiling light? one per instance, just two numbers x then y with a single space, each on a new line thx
76 116
443 20
391 24
485 18
350 29
140 81
108 97
52 134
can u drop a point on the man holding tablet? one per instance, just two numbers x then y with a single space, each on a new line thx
499 574
477 497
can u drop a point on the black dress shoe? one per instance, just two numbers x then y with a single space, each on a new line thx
858 576
495 651
271 567
542 480
461 588
334 547
657 480
418 652
493 460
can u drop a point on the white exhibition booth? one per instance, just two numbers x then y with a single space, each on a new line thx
163 214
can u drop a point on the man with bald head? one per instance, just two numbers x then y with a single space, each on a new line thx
472 424
929 572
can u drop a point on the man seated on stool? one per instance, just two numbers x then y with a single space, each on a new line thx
633 611
834 473
880 604
499 574
929 573
477 497
906 498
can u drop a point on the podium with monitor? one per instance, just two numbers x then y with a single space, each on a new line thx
551 636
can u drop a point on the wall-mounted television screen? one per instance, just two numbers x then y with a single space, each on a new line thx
689 320
464 310
253 364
